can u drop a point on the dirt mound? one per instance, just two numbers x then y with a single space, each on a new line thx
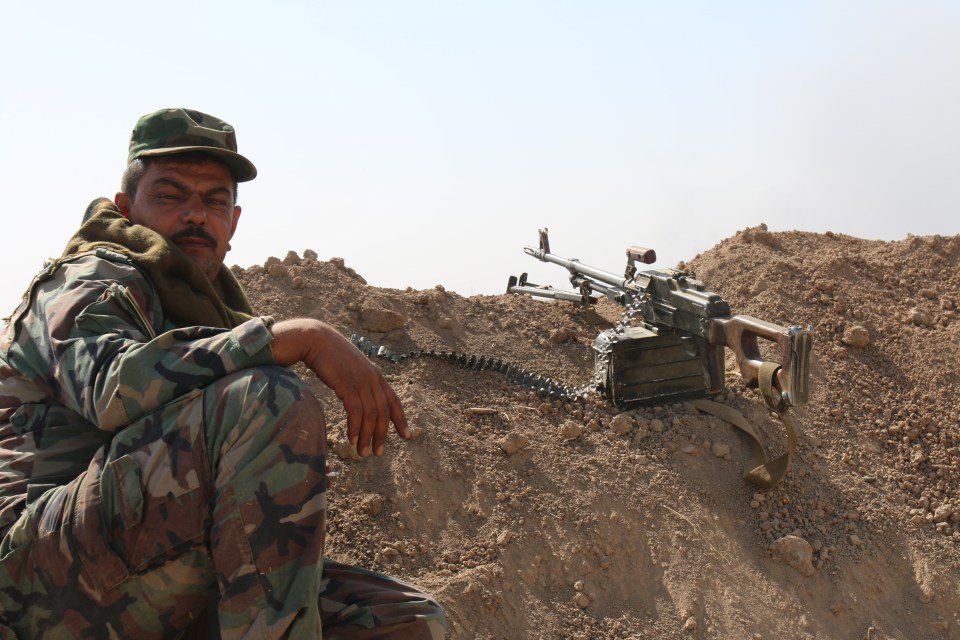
531 518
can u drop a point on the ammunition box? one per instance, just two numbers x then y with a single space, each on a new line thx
640 366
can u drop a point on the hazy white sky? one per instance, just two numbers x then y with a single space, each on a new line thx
426 142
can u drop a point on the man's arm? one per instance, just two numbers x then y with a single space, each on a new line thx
370 402
84 341
93 335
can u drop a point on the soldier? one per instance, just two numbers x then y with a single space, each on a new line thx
162 473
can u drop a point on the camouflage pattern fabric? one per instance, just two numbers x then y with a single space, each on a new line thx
170 131
358 604
156 479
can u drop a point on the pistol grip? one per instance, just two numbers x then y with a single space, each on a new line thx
715 368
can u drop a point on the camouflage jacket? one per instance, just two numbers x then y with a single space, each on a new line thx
89 352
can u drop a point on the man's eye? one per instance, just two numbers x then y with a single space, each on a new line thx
169 197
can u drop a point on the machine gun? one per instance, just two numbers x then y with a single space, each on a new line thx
669 346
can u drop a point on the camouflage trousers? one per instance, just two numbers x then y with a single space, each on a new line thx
205 518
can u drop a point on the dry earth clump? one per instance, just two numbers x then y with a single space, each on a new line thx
535 518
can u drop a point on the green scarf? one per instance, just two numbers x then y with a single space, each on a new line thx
187 295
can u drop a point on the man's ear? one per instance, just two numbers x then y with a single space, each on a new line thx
122 201
236 219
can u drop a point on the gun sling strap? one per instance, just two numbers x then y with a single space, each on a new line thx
760 471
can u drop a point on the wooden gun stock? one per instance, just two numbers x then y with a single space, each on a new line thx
740 334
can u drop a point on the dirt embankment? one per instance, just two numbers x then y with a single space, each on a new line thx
531 518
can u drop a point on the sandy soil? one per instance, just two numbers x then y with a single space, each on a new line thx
531 518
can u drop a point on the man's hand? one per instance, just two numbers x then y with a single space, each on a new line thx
370 402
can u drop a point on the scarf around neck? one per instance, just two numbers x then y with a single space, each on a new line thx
187 296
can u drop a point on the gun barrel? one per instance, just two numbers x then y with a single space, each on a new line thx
575 267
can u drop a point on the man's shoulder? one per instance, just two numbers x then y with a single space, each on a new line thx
68 285
98 264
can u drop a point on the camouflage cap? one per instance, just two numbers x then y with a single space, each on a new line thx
170 131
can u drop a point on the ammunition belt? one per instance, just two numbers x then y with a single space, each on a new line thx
515 374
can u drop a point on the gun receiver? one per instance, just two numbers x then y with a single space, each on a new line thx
676 350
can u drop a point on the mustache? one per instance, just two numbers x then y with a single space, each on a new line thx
194 232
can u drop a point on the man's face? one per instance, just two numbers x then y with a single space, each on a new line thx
190 204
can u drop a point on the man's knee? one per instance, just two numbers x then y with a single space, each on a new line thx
267 388
261 398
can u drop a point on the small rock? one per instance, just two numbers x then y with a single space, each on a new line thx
310 254
276 269
298 282
827 286
582 600
564 334
943 513
622 424
504 538
919 317
291 259
918 458
690 624
720 449
796 552
570 430
856 336
656 425
513 443
346 451
372 505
